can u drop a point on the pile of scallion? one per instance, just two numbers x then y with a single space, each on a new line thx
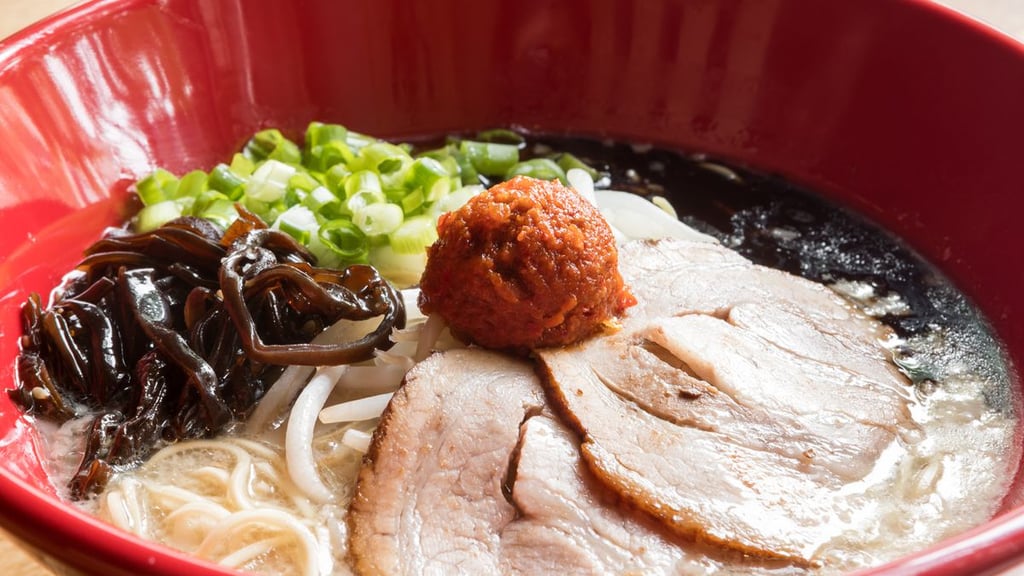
348 197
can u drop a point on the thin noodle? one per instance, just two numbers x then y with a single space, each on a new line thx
215 511
212 445
171 496
299 434
257 449
273 519
284 390
284 484
238 487
356 440
212 475
125 512
243 555
366 408
430 332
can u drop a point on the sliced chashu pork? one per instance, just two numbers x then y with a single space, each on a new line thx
675 277
734 402
429 497
469 473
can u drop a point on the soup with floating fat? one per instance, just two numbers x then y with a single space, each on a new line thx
794 391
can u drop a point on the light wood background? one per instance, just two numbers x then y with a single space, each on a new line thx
16 14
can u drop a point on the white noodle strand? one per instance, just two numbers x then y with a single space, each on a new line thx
187 525
257 449
357 440
273 519
171 496
298 443
202 507
217 476
248 553
283 391
366 408
126 508
431 331
238 485
289 384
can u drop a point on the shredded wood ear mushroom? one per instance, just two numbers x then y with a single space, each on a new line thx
177 332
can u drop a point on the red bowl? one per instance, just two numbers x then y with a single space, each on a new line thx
901 110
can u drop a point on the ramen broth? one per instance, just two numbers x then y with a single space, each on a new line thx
950 478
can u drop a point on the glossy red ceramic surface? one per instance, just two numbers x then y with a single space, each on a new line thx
901 110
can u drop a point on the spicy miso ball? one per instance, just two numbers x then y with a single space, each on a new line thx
526 264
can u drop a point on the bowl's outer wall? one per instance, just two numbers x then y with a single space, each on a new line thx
899 110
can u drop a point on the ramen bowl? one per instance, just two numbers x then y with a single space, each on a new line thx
902 111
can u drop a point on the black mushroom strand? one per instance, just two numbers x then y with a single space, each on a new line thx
178 332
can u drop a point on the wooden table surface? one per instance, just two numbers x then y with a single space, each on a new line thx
16 14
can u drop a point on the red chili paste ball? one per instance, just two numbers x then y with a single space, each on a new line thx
526 264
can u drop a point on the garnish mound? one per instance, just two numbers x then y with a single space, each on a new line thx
526 264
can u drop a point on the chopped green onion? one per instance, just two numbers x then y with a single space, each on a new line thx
242 166
456 199
271 144
503 136
414 235
364 198
430 176
412 201
269 182
568 161
264 210
357 141
389 165
303 181
225 180
298 222
374 156
323 157
323 202
346 240
363 181
201 202
191 185
160 185
347 196
221 211
336 177
318 134
402 269
156 215
377 219
540 168
467 171
488 158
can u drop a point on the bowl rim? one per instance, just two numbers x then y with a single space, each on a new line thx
28 513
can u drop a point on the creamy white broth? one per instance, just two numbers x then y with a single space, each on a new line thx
947 477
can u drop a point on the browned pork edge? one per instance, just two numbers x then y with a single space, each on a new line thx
635 496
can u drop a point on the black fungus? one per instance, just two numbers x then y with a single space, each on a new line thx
178 332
